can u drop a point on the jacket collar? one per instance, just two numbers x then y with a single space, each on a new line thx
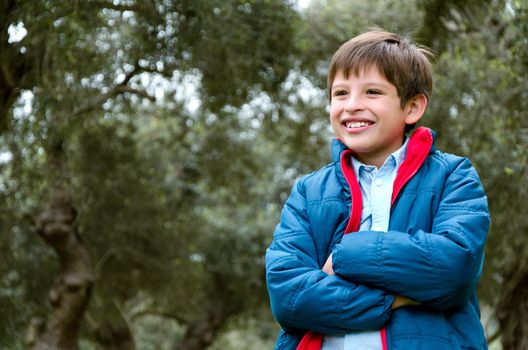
339 147
421 144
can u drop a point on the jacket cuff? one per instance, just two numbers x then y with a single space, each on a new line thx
358 258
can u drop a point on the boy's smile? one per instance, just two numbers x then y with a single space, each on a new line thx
367 116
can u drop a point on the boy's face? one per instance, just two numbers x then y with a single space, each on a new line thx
366 115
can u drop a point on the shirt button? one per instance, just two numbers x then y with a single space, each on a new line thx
378 182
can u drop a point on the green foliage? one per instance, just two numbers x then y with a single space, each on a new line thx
230 30
150 197
328 24
478 111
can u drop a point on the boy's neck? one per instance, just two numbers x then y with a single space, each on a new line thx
378 160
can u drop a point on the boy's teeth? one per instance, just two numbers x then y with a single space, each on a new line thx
352 125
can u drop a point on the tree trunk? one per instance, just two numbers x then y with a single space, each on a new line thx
221 305
201 333
113 333
116 337
512 310
70 293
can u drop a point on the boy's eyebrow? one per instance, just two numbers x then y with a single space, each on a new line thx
375 83
337 86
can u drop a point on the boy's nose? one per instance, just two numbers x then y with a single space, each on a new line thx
354 104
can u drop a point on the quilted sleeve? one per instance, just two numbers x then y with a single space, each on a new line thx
302 296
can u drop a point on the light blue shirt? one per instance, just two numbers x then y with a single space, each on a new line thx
376 191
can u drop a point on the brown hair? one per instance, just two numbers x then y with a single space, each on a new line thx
404 64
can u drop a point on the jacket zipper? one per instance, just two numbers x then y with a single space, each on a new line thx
417 151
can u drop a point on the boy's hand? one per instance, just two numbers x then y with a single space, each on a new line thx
328 266
400 301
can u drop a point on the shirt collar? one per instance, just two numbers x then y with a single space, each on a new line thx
397 156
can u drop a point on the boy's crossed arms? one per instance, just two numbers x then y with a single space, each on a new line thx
438 269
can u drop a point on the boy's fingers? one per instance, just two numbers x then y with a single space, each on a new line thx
328 266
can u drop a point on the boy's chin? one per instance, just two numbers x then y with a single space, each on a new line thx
355 145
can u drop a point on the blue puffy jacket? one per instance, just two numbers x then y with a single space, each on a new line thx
432 253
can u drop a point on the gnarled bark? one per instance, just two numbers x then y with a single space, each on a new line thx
70 293
216 311
512 310
202 333
113 337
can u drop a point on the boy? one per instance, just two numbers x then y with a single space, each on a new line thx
407 279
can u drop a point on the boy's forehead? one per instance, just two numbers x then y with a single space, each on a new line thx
359 71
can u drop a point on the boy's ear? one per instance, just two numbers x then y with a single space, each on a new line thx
415 109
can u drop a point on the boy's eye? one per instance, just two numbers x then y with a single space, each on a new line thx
340 93
373 92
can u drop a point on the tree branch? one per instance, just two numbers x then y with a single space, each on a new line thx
120 88
101 4
124 88
154 312
490 339
140 257
115 91
6 71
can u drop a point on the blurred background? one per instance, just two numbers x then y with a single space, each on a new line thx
146 149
